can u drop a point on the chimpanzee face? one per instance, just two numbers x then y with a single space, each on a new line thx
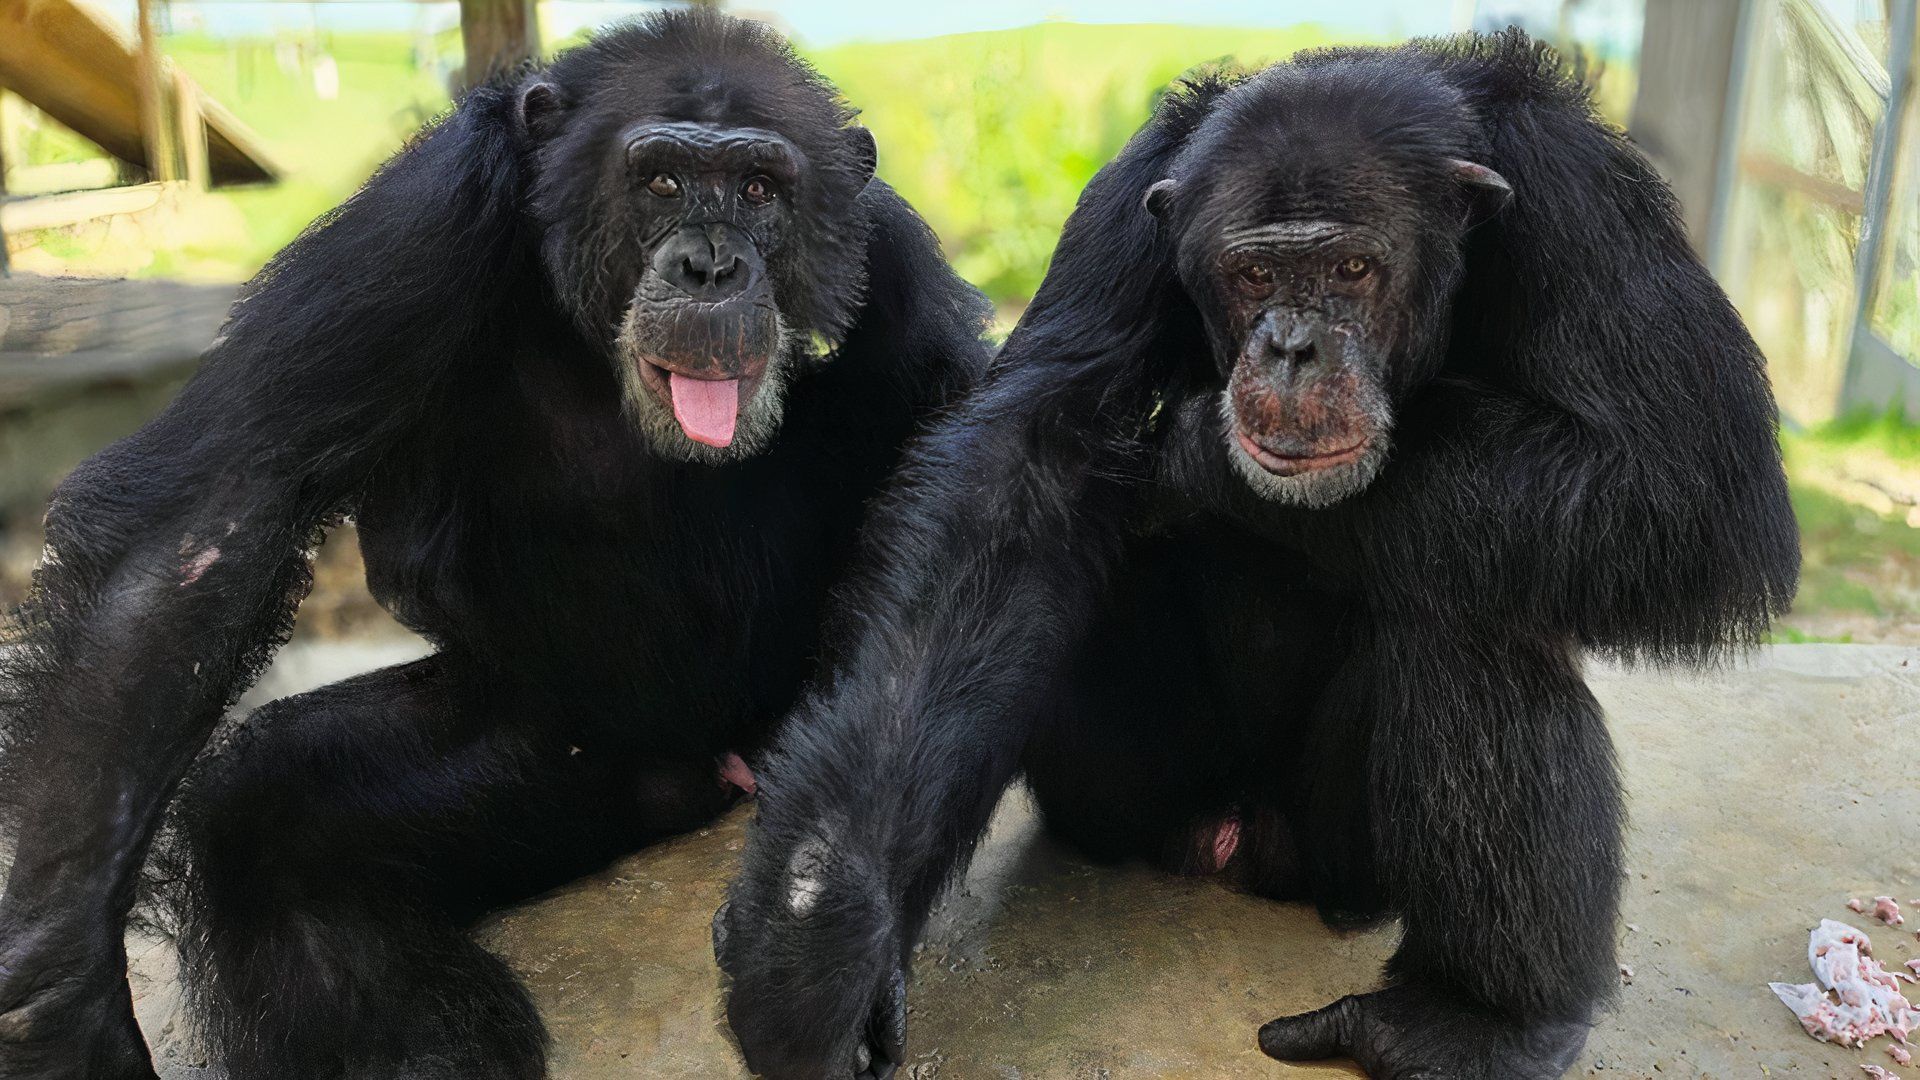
702 339
1321 263
710 240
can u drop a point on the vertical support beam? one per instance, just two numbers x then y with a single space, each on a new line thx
192 132
497 34
1683 110
1876 376
157 131
3 191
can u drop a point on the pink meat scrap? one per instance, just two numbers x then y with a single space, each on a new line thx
1866 999
1887 910
1878 1073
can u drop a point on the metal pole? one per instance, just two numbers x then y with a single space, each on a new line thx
1876 375
1746 33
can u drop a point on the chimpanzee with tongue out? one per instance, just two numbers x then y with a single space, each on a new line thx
605 364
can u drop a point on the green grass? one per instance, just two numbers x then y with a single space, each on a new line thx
1856 560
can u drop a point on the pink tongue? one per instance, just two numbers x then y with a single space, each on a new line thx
706 408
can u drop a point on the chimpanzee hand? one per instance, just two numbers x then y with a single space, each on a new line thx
804 1013
66 1017
1410 1031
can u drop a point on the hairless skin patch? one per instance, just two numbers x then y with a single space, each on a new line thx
807 876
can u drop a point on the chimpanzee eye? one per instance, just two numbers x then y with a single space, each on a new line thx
1353 268
664 186
758 190
1256 275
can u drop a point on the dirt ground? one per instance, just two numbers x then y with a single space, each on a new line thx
1762 798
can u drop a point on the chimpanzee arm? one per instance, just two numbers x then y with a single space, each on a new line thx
175 559
1606 460
981 568
1601 472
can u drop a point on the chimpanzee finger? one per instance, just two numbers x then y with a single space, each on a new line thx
1323 1033
886 1036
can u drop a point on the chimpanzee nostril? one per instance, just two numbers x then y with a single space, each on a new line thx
708 263
1294 343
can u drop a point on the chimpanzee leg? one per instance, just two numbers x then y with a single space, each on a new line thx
337 843
1178 728
1496 820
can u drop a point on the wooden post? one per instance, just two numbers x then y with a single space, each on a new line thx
193 133
1684 109
497 34
3 198
157 130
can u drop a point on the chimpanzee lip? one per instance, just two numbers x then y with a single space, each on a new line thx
1297 464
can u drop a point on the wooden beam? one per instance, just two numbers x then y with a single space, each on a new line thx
497 35
19 215
191 130
78 67
4 271
154 89
1681 112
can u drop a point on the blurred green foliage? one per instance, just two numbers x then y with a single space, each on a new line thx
1854 487
991 135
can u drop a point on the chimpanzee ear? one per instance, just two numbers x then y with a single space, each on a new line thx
1488 192
866 155
1159 196
538 110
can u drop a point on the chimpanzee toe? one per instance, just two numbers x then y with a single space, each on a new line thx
1408 1032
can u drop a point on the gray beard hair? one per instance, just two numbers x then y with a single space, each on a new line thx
1321 487
754 431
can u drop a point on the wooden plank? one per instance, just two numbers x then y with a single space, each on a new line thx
72 208
497 35
58 332
79 68
1767 169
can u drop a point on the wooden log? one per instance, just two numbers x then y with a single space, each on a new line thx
497 34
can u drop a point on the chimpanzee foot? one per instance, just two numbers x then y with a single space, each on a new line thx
1408 1032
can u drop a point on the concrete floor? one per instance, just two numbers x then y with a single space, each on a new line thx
1762 798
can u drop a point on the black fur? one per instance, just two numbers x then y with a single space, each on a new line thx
1384 688
434 357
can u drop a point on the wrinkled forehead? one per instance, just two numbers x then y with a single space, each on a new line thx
1295 198
1298 156
704 146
